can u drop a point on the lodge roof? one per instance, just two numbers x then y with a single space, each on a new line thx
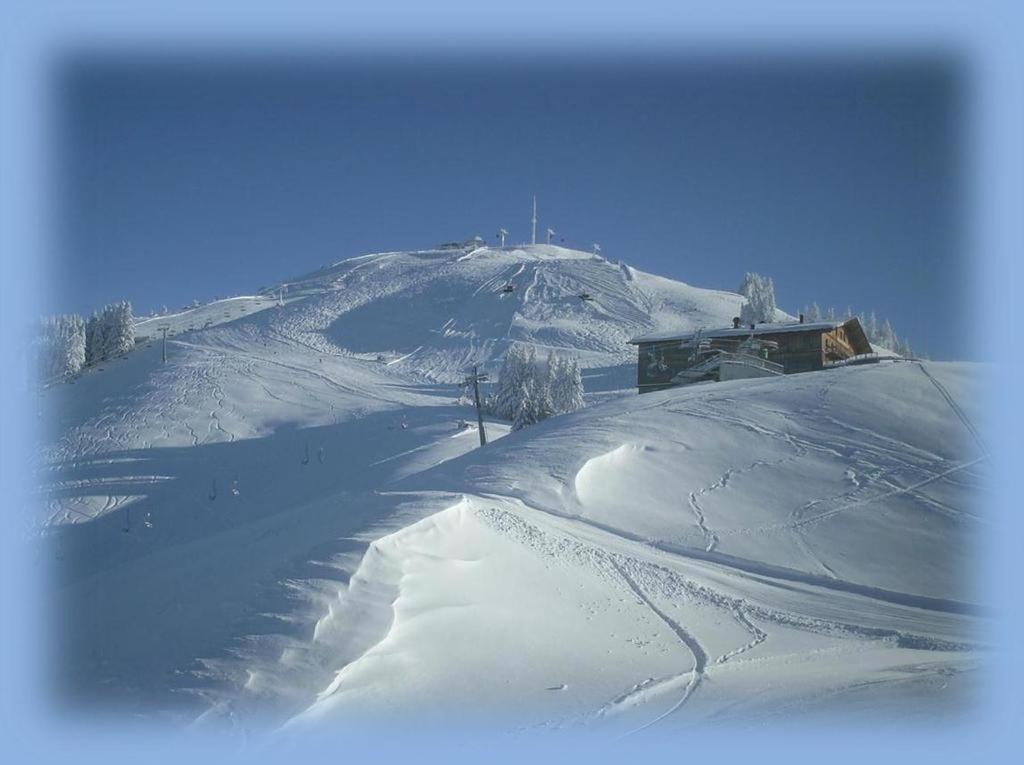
759 329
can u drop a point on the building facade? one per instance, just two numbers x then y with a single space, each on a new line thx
796 347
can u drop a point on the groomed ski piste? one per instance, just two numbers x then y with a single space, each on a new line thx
283 528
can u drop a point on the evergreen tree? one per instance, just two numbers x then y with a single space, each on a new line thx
529 392
122 329
525 407
871 327
760 304
75 353
572 385
886 337
547 382
513 368
95 340
748 285
59 347
558 389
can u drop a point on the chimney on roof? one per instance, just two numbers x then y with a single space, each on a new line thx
735 322
801 318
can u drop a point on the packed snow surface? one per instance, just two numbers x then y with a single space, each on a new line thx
284 526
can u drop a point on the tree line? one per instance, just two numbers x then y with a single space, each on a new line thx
66 344
759 307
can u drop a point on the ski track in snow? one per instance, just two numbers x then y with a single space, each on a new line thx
700 658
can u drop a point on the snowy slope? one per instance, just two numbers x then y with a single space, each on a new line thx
347 341
722 552
284 526
435 313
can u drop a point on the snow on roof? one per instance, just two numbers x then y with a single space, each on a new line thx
760 329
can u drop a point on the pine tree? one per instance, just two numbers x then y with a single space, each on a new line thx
760 304
558 389
95 340
547 382
871 328
529 392
525 408
813 313
59 347
748 285
886 337
573 386
504 402
122 329
75 348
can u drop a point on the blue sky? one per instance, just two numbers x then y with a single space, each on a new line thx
841 179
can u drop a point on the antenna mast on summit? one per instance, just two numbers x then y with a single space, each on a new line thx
533 237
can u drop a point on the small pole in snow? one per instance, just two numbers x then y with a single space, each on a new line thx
476 379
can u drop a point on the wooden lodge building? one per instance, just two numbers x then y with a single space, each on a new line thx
665 359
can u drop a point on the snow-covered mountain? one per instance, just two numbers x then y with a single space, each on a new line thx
283 525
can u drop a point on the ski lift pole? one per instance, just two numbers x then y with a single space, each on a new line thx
476 379
163 347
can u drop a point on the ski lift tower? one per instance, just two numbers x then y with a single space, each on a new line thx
475 379
533 235
502 233
163 349
551 233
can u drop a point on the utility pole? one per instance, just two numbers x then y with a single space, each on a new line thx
533 237
163 350
476 379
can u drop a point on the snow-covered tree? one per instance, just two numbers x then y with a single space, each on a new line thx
526 411
504 402
547 381
60 347
110 333
760 304
567 392
748 284
529 392
886 337
812 313
122 328
95 339
871 326
75 344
